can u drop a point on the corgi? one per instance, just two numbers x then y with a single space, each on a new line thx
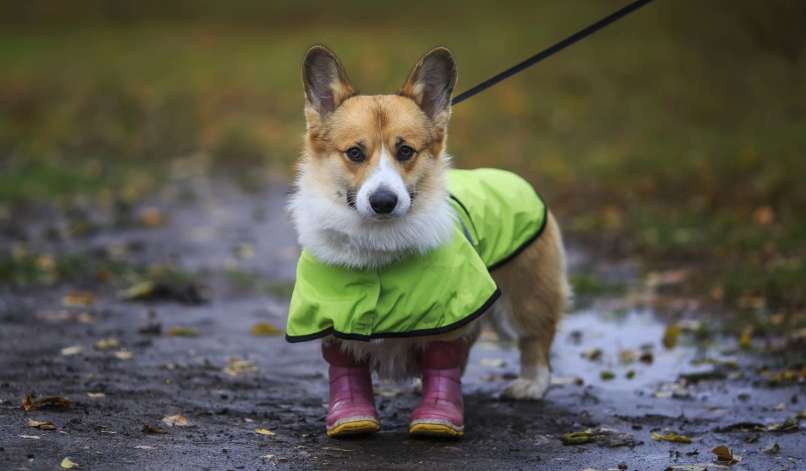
404 257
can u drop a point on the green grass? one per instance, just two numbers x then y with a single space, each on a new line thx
676 135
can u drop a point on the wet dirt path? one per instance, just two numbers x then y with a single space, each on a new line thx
612 375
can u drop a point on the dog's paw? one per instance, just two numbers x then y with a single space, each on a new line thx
525 389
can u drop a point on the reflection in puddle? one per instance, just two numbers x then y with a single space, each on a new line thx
611 351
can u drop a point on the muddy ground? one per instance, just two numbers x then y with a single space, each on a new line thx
612 372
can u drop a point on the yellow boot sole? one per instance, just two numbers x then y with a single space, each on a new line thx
353 427
431 429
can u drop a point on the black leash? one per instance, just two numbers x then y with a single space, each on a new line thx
550 51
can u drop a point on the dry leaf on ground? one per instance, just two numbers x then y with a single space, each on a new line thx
67 463
74 350
578 438
264 431
49 402
152 429
265 329
593 354
78 299
238 367
724 455
41 424
773 449
123 355
671 335
177 420
153 217
107 343
670 437
177 331
96 395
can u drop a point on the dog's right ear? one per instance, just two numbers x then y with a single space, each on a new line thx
326 83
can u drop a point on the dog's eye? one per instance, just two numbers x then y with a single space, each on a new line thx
404 153
355 154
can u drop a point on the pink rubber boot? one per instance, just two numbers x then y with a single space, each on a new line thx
441 410
350 409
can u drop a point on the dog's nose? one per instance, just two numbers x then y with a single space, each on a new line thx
383 201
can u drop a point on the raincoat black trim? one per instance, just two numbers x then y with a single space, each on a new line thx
524 245
413 333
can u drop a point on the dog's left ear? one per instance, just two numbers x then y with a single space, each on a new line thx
430 84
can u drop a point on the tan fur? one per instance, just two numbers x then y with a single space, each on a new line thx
372 122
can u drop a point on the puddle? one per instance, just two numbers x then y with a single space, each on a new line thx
627 348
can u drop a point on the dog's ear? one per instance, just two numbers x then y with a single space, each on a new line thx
326 83
431 83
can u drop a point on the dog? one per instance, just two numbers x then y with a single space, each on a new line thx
393 276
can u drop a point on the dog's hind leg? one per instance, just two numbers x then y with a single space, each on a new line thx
536 293
535 375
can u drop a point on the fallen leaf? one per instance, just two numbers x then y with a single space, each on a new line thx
773 449
96 395
264 329
177 420
627 356
578 438
602 436
696 377
646 357
74 350
41 424
264 431
123 355
592 354
153 430
176 331
741 427
168 289
50 402
141 290
107 343
630 374
792 424
67 463
267 457
238 367
607 375
78 299
670 336
746 338
763 216
724 455
670 437
153 217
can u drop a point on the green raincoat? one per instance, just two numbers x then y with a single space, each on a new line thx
498 215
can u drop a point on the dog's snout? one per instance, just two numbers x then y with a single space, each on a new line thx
383 201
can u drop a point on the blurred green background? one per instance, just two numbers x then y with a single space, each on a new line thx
676 135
